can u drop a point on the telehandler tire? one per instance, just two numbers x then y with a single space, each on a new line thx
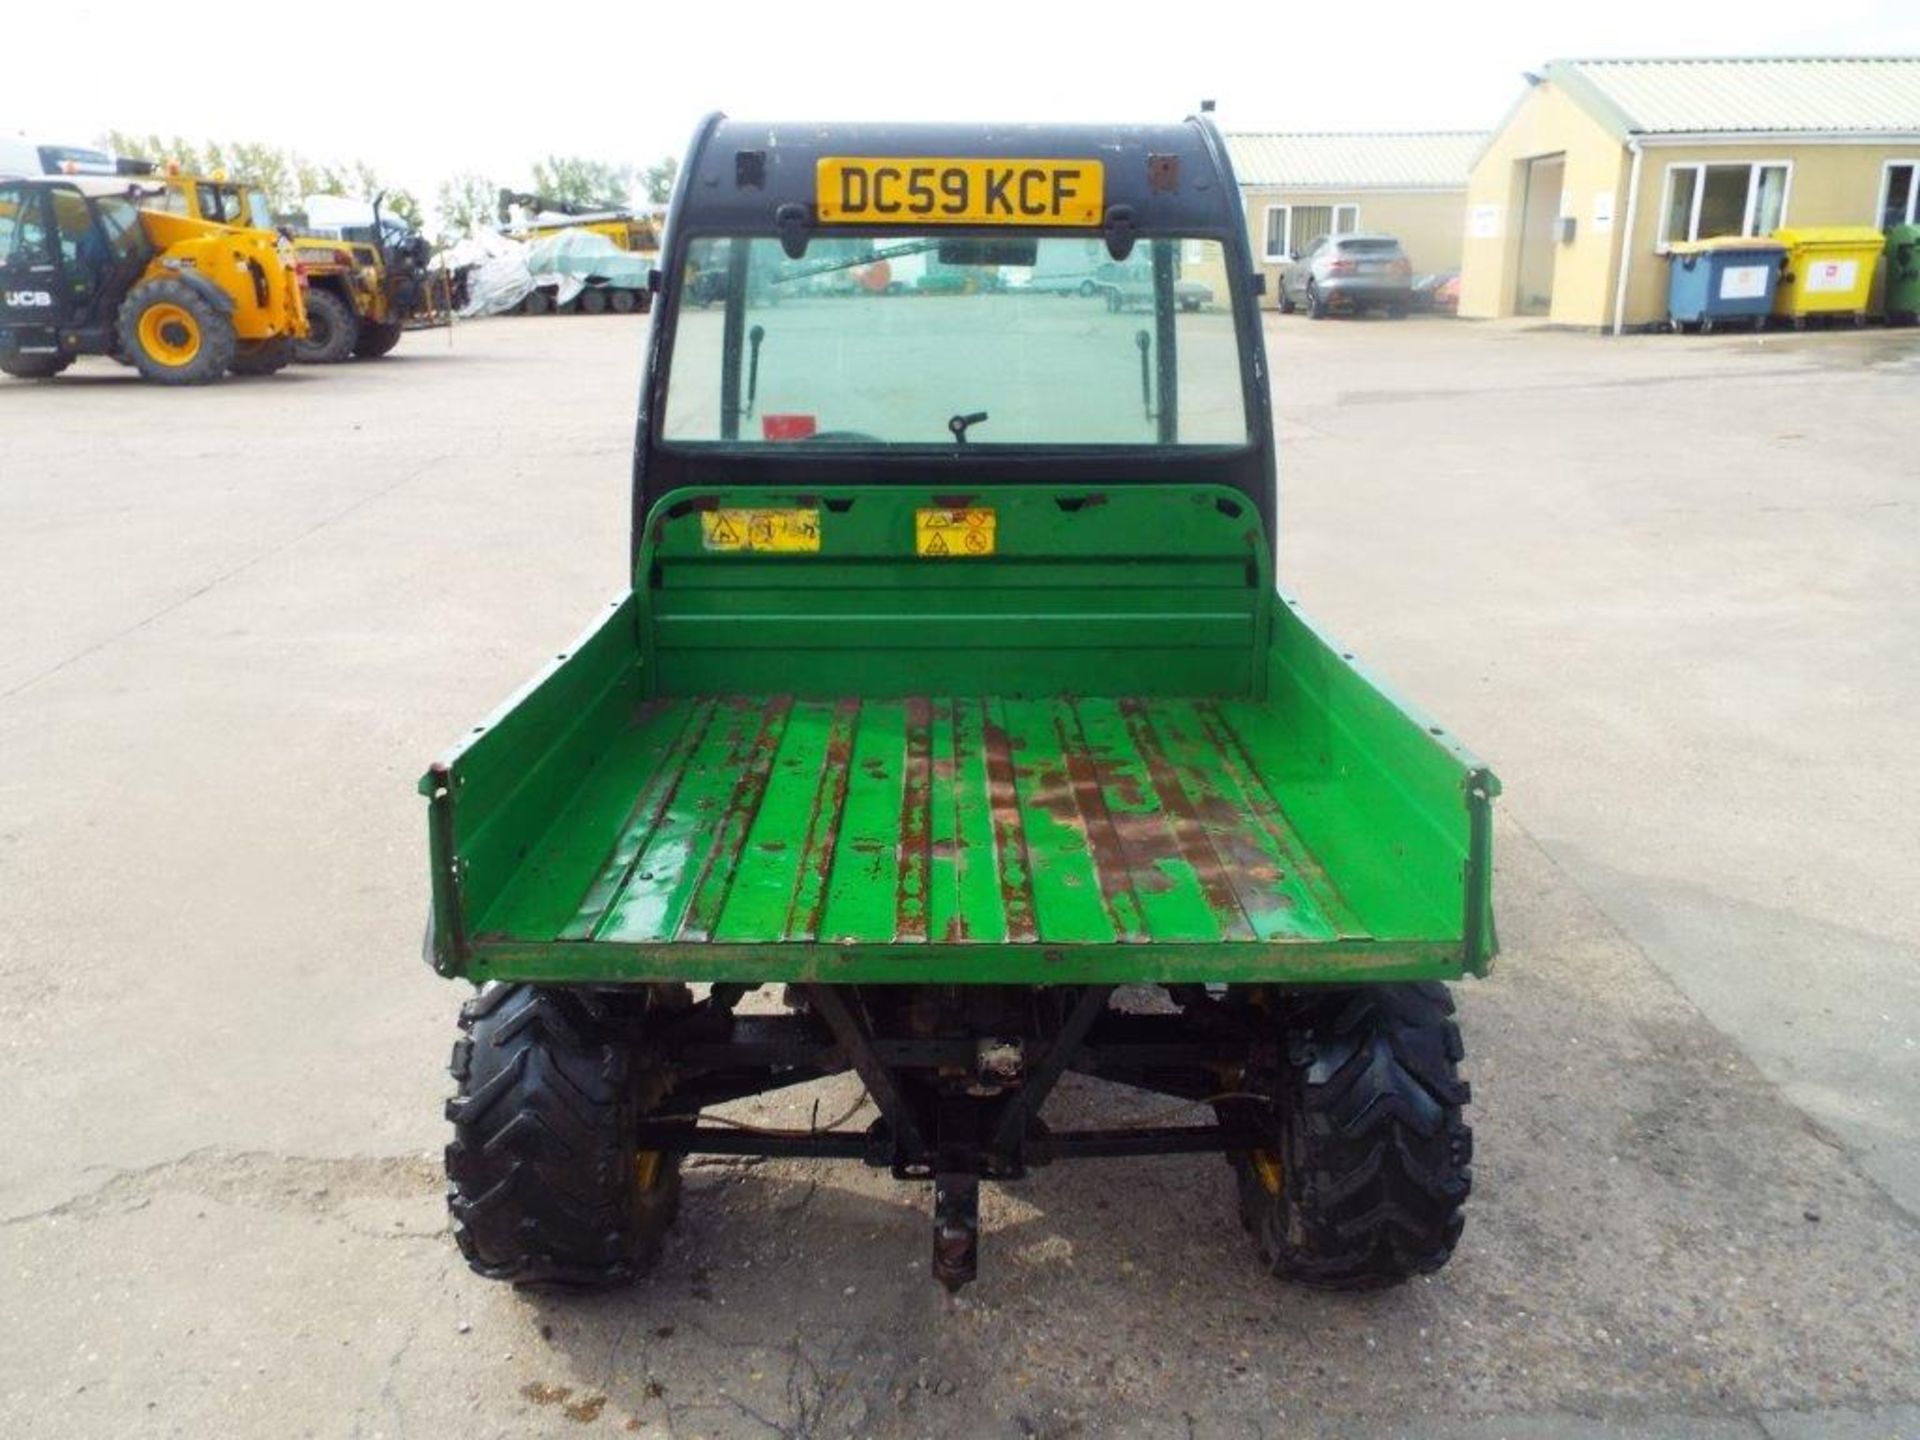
34 367
545 1183
1371 1158
263 357
174 336
331 330
376 340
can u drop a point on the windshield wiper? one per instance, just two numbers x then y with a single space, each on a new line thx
754 337
827 267
960 424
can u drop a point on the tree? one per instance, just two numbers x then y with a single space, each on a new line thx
269 170
657 180
466 204
576 180
403 206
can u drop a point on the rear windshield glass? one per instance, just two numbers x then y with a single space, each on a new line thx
1370 247
72 160
912 340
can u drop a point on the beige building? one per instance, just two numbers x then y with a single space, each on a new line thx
1298 187
1603 163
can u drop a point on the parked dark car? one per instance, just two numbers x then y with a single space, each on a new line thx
1349 273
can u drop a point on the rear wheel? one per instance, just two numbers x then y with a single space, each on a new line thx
263 357
376 340
34 367
1370 1160
1316 307
546 1184
174 335
331 330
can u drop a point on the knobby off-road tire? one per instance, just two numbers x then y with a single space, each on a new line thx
376 340
332 329
263 357
1371 1159
174 335
34 367
545 1184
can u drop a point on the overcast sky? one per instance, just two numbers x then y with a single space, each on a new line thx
492 88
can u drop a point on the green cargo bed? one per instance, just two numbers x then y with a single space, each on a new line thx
741 774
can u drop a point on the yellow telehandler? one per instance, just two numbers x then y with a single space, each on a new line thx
360 294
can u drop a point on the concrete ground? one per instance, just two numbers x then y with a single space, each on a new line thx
1665 585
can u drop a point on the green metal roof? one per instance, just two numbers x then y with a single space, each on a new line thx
1364 160
1817 95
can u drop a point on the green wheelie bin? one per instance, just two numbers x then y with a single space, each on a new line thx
1903 275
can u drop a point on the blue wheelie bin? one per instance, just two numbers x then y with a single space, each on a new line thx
1729 278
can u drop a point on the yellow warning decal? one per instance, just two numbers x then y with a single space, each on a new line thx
953 532
779 531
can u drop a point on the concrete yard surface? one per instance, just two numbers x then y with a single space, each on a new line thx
1665 585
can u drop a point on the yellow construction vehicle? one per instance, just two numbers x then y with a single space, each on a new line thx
360 294
85 270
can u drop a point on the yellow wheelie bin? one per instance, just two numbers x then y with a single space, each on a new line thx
1829 271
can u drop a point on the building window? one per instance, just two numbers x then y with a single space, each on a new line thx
1292 228
1278 217
1900 194
1703 201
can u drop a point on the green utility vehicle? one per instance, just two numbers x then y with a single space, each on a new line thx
952 705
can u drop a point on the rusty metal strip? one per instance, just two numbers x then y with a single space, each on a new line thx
947 772
1272 816
912 895
1010 852
655 802
823 825
1112 866
1219 882
730 835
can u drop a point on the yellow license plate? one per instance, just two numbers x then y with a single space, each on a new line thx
856 190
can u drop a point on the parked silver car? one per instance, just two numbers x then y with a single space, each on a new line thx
1348 272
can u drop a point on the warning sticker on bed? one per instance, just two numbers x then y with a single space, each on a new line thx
776 531
953 533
